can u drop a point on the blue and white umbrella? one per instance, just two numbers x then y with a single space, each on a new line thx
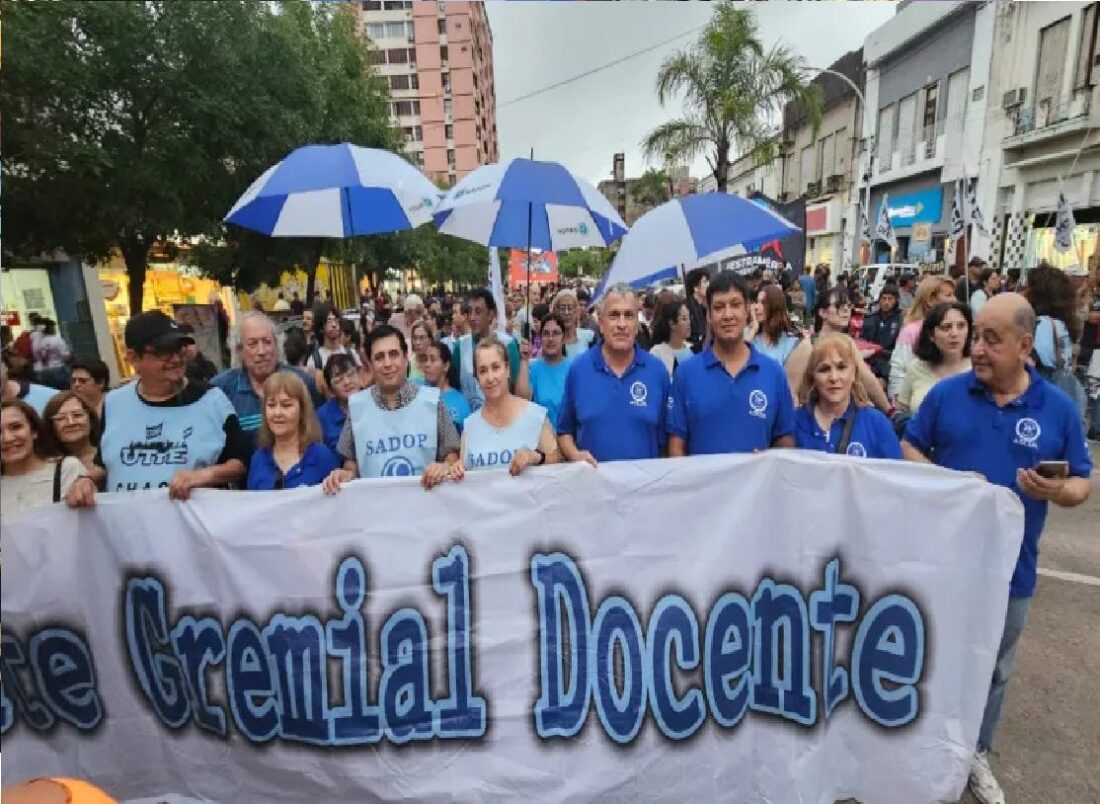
683 232
336 191
525 203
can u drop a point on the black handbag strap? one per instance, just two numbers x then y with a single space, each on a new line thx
57 482
846 433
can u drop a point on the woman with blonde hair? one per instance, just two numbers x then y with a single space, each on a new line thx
932 290
507 431
837 415
290 452
577 338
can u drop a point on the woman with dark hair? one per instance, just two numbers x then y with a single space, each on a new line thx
943 350
546 374
1057 328
32 473
75 429
441 372
89 377
672 335
987 289
775 335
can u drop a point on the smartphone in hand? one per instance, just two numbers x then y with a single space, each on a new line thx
1052 469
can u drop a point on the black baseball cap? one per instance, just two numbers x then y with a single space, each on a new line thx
976 261
154 328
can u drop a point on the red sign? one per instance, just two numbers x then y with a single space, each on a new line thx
817 218
544 268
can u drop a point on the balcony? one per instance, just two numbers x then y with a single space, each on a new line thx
919 156
1050 118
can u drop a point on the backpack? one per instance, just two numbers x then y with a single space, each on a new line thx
1061 377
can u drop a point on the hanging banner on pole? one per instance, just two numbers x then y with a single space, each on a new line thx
562 636
544 268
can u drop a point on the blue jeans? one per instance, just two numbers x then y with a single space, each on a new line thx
1002 671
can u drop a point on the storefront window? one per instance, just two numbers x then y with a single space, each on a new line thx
1040 246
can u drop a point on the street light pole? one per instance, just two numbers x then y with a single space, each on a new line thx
870 154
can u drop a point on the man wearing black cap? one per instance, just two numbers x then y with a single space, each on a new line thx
162 431
963 289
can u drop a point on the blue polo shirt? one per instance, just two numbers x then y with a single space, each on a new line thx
715 413
313 467
960 426
236 385
331 417
872 434
615 418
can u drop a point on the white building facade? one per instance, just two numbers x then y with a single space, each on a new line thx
1043 130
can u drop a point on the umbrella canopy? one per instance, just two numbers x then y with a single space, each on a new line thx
336 191
685 231
527 203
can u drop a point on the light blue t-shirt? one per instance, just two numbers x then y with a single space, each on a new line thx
1044 343
779 351
490 448
457 406
38 396
548 385
585 337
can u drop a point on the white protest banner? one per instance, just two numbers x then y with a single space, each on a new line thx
780 627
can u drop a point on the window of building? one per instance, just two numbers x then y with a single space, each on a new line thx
418 157
443 53
807 166
378 57
399 82
372 5
451 157
884 139
1087 66
376 30
398 55
398 30
404 108
442 26
414 81
931 103
448 107
396 5
449 131
1053 44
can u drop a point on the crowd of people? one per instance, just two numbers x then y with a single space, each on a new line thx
970 373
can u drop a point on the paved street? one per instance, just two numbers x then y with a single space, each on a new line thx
1048 749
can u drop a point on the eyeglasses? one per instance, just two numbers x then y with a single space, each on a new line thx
163 353
567 308
74 416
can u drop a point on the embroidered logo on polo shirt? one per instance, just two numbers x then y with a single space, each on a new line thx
1028 432
638 394
856 450
758 404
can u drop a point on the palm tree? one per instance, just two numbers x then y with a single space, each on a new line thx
652 189
734 92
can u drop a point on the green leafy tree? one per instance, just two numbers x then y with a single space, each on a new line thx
734 90
651 189
584 262
130 123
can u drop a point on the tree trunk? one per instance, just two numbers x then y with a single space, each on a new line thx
721 165
135 253
311 270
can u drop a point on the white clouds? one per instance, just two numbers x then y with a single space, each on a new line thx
584 123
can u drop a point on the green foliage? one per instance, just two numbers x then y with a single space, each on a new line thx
652 189
129 122
584 262
734 90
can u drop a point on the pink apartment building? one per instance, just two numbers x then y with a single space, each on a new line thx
438 59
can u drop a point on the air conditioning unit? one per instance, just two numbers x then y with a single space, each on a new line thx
813 189
834 183
1014 98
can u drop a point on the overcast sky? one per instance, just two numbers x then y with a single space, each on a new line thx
584 123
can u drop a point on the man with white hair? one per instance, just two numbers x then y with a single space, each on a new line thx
616 396
259 360
412 311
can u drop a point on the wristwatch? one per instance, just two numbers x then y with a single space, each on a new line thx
542 457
